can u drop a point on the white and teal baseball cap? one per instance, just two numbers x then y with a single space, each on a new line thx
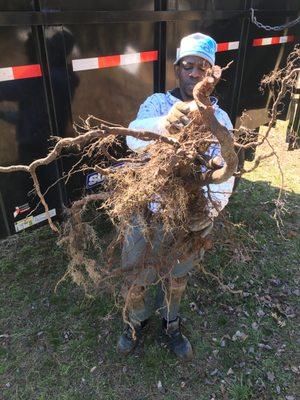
197 44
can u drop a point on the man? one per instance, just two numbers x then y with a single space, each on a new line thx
163 113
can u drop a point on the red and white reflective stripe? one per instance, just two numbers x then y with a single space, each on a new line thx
273 40
227 46
20 72
114 61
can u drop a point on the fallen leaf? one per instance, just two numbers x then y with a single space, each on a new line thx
214 372
260 384
278 320
278 389
264 346
254 326
260 313
289 312
222 388
275 282
270 376
292 234
295 370
193 306
246 294
239 336
160 387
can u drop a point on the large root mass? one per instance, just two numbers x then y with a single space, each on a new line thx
162 186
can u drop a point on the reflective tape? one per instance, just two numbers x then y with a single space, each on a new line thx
20 72
273 40
147 56
84 64
114 60
227 46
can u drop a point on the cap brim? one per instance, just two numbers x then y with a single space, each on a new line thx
200 55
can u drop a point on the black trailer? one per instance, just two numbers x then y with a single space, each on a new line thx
64 59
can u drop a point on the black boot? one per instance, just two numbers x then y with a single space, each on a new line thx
177 342
130 338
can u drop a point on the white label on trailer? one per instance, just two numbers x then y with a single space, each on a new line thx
33 220
24 223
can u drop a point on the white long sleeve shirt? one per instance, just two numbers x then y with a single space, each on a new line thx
151 117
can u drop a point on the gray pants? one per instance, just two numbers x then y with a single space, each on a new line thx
170 286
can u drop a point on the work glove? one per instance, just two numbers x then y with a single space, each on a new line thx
177 117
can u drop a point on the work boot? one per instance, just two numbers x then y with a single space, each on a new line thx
130 338
177 342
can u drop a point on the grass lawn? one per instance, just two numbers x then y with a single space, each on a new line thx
62 345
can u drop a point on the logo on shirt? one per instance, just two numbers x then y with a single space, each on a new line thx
93 179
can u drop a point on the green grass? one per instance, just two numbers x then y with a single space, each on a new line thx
61 346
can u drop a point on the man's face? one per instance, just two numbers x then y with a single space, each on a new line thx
189 71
